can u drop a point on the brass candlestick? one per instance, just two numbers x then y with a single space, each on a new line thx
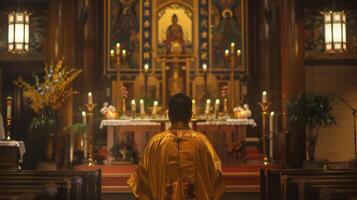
118 55
265 107
232 56
8 117
90 109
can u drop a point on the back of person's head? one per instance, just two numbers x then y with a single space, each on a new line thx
180 108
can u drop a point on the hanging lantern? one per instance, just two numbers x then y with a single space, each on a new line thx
335 31
18 35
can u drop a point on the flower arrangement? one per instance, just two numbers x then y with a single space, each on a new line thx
50 91
109 111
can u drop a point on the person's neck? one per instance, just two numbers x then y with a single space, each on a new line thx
179 125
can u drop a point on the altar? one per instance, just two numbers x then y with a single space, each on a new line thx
227 136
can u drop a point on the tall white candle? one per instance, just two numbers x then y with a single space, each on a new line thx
208 105
271 135
84 117
123 52
154 108
124 106
133 106
142 107
271 121
265 97
225 106
117 48
216 106
194 107
90 98
8 111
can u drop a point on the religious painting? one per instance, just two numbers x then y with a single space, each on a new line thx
124 28
227 26
315 35
174 30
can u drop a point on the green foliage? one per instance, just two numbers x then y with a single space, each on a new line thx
45 119
79 128
311 110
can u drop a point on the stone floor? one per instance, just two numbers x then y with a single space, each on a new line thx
227 196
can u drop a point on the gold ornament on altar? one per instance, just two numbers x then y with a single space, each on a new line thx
51 90
109 111
242 112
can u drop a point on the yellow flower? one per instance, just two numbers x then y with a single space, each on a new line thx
54 88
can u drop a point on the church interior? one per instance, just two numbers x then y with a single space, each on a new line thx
85 84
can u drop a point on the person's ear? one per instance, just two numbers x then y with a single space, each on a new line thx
169 115
190 116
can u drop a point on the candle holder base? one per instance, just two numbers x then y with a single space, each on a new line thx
266 161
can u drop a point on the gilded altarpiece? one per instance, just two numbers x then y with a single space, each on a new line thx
200 31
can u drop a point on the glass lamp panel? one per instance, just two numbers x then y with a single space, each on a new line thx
337 32
337 17
327 17
11 33
344 32
328 33
27 36
27 18
26 47
337 46
328 47
11 47
19 33
11 18
18 47
19 17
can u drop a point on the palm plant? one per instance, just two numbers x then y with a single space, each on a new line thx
312 112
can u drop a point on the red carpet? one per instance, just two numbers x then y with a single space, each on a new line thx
238 178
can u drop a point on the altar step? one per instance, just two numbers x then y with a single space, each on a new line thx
242 178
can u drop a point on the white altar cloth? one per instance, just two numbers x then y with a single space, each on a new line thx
19 144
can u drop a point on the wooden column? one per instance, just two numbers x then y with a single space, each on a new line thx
61 43
293 71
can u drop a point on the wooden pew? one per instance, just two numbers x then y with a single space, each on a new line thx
91 179
47 192
270 183
70 186
337 193
294 187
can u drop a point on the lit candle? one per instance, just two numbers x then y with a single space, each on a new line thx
216 106
117 48
154 109
233 45
146 67
238 52
193 107
265 97
90 98
133 106
123 52
208 105
84 117
226 52
204 67
142 107
112 53
271 122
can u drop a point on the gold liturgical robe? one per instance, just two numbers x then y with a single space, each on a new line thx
177 165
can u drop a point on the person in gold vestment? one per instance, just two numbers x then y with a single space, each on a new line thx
178 164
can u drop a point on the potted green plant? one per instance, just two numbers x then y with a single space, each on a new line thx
312 112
